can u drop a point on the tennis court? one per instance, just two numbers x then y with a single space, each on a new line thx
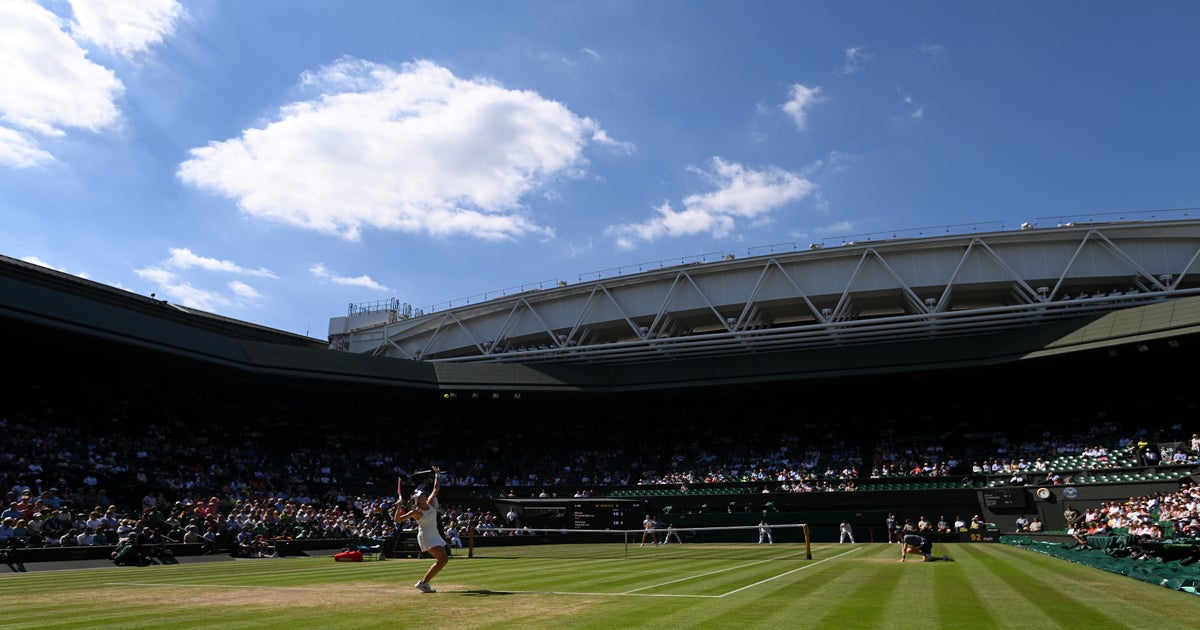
746 585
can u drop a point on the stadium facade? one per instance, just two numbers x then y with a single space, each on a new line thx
887 305
894 328
899 305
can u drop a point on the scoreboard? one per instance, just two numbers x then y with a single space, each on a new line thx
577 513
1004 497
605 514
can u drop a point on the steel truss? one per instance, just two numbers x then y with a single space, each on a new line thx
865 293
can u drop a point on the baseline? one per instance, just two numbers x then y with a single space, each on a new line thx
786 573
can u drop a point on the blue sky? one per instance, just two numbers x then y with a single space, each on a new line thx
275 161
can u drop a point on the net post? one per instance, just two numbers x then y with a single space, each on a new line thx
807 543
470 541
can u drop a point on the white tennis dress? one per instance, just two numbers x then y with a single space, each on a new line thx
427 531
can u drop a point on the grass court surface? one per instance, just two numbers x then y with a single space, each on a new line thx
751 586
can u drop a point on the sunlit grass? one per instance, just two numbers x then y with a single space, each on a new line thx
843 586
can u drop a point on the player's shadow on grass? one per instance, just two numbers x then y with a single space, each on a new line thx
485 592
8 558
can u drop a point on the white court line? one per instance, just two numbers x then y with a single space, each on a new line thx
629 594
241 586
384 590
257 587
696 577
633 593
774 577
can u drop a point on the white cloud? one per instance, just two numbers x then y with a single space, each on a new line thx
740 194
590 53
185 294
243 290
184 258
601 137
19 150
125 27
933 50
169 281
916 111
856 57
819 202
802 97
416 150
47 84
841 227
170 287
835 161
34 260
321 272
157 275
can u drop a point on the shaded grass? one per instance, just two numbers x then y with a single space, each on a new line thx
844 586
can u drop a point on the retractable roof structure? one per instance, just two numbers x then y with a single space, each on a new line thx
855 294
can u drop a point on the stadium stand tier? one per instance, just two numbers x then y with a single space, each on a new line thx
174 417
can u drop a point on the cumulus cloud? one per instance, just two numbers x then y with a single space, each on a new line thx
416 150
48 85
855 59
176 279
320 272
125 27
802 97
740 194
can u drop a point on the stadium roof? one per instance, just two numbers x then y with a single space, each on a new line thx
862 293
45 311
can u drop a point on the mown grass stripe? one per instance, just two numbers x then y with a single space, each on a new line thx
790 572
1003 594
788 603
1050 597
863 598
1124 597
147 616
863 589
958 600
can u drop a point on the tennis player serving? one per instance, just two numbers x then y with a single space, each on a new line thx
424 510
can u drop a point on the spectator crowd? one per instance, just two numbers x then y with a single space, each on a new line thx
90 467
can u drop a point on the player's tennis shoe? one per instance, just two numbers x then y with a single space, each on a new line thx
424 587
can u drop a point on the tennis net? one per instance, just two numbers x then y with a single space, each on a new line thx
788 541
